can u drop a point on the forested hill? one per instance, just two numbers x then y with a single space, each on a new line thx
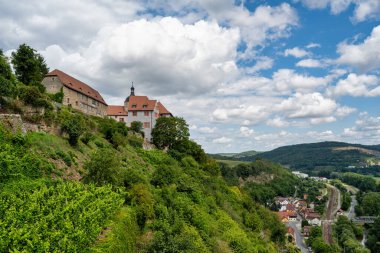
324 156
70 182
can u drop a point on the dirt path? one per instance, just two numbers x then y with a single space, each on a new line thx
333 205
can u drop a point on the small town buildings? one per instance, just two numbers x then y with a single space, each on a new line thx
313 219
300 175
293 216
76 94
284 216
141 109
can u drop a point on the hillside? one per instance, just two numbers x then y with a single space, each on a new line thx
325 157
234 156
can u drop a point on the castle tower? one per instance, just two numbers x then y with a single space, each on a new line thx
127 99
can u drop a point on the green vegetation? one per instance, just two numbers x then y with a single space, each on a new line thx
169 131
374 236
47 216
347 235
345 195
363 183
316 242
368 204
261 179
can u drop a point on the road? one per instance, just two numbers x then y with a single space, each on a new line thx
333 205
296 225
351 212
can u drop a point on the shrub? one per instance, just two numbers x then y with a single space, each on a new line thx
104 167
135 141
73 125
87 137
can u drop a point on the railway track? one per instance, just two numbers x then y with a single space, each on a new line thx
332 206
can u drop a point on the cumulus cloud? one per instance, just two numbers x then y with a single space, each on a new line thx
222 140
311 105
246 132
366 129
364 9
206 130
163 56
357 86
277 122
364 56
45 22
309 63
296 52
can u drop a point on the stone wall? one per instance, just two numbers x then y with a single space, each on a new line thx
12 122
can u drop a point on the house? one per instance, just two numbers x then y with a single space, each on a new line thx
306 231
139 108
340 212
301 203
284 216
290 208
313 219
293 216
76 94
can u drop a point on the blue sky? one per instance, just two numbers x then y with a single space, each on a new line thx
244 74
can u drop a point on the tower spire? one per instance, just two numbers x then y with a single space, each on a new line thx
132 90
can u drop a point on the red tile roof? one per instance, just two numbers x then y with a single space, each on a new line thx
162 109
141 103
291 231
74 84
116 110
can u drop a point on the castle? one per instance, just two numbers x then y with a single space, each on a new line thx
82 97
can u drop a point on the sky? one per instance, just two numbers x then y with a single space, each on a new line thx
245 75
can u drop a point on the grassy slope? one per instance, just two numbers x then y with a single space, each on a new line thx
201 207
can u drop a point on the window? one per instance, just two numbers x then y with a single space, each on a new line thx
134 106
121 119
93 102
146 124
146 113
145 106
134 113
68 100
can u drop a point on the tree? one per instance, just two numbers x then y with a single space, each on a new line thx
169 131
136 126
104 167
7 80
73 125
30 67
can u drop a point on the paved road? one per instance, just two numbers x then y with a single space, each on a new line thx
351 212
296 225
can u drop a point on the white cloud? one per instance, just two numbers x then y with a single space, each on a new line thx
162 57
313 45
277 122
357 86
246 132
309 63
364 9
366 129
296 52
206 130
311 105
262 63
222 140
327 135
365 56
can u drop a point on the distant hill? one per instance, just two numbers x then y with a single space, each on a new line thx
234 156
323 157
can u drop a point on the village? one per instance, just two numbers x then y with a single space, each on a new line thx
300 214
